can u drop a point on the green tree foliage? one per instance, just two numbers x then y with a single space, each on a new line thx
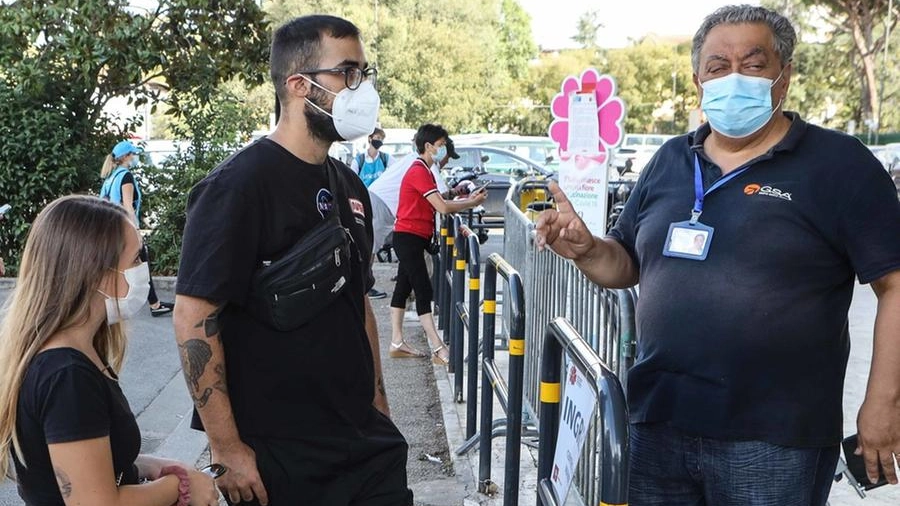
858 28
587 29
214 127
824 88
62 61
643 74
436 63
652 95
530 115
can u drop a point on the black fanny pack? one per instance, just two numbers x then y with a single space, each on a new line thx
288 292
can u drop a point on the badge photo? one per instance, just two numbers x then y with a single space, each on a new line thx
688 240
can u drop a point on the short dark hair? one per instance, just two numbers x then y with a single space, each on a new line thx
428 134
377 131
295 45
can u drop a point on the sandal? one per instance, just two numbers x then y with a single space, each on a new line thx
404 350
436 357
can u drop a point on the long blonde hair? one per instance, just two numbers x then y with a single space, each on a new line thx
110 163
71 247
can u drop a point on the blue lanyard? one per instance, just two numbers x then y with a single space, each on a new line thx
698 188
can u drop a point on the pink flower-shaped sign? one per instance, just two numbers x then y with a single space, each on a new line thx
610 111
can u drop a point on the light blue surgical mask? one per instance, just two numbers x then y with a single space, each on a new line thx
737 105
441 153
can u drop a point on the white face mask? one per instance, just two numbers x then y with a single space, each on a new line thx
354 112
138 279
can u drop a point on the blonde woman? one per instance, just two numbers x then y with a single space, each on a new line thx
63 417
121 187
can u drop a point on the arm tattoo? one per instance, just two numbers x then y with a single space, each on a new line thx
62 479
380 385
195 354
210 324
220 384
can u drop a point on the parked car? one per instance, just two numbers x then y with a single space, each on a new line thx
540 150
636 150
157 151
891 160
497 168
889 156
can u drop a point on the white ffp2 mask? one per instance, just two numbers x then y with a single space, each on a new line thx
123 308
354 112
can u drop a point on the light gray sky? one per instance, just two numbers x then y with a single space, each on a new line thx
553 21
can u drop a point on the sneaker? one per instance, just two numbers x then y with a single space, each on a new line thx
375 294
164 308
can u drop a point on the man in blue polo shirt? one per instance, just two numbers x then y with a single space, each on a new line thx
735 397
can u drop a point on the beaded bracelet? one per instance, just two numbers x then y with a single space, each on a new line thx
184 483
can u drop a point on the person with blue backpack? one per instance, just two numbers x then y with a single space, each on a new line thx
369 165
121 187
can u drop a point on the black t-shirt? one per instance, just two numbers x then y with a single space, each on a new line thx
65 398
128 178
752 343
314 380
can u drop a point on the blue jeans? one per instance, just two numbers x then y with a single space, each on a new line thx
671 468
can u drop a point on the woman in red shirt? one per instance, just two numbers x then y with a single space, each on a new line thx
419 199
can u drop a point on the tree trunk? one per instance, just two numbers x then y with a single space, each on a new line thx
860 23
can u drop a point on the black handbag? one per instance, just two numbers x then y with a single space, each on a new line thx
288 292
434 245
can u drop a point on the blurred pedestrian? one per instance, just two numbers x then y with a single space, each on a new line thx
298 412
735 396
369 165
121 187
372 162
413 233
63 417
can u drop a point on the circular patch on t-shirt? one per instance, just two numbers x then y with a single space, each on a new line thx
324 201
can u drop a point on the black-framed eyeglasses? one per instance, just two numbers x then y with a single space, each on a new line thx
353 76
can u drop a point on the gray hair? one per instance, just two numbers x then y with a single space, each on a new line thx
782 31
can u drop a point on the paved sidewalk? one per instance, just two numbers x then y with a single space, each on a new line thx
422 406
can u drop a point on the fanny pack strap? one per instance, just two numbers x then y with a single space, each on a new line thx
335 188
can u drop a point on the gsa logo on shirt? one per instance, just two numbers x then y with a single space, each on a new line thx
324 201
766 190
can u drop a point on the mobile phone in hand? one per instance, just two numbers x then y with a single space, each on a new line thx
857 465
4 209
481 188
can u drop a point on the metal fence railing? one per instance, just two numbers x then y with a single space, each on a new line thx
464 323
607 457
493 382
554 287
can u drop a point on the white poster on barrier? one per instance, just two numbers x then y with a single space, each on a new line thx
584 179
587 124
578 403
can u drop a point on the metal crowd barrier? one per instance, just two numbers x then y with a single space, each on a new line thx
605 317
556 288
609 465
492 381
464 320
441 276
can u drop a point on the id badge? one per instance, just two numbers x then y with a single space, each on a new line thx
688 240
